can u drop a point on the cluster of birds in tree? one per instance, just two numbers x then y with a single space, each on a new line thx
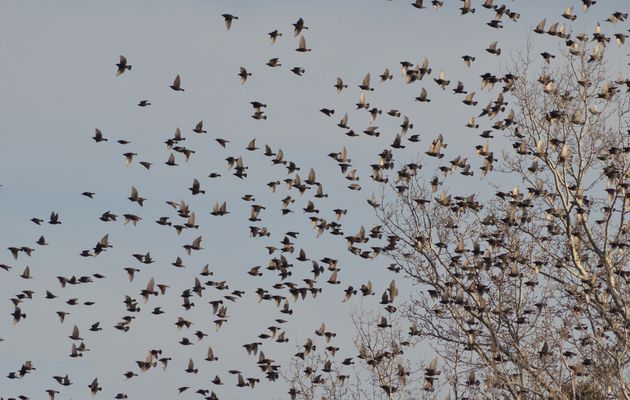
291 286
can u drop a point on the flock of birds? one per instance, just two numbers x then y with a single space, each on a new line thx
365 243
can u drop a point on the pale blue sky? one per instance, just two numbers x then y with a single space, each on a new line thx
58 83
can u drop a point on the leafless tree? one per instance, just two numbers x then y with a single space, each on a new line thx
381 370
522 276
315 374
524 293
381 344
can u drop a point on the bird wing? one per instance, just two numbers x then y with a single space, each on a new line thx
343 154
311 175
104 240
433 364
393 290
366 80
151 285
333 277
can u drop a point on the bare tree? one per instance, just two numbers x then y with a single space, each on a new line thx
381 344
525 294
315 374
381 369
314 377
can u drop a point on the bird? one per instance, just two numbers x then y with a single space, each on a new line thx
211 356
54 219
299 71
547 56
171 160
365 84
340 85
302 45
196 188
191 367
274 62
423 98
540 27
94 387
219 210
122 66
129 157
199 128
196 245
298 26
492 49
63 380
176 84
274 35
386 75
75 333
98 136
568 14
469 99
228 18
243 74
418 4
135 196
441 81
468 60
466 8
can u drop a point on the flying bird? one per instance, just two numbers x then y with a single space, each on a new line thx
122 66
228 18
176 84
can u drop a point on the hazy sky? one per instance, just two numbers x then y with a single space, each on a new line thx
58 83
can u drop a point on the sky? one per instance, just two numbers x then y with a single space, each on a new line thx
58 84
